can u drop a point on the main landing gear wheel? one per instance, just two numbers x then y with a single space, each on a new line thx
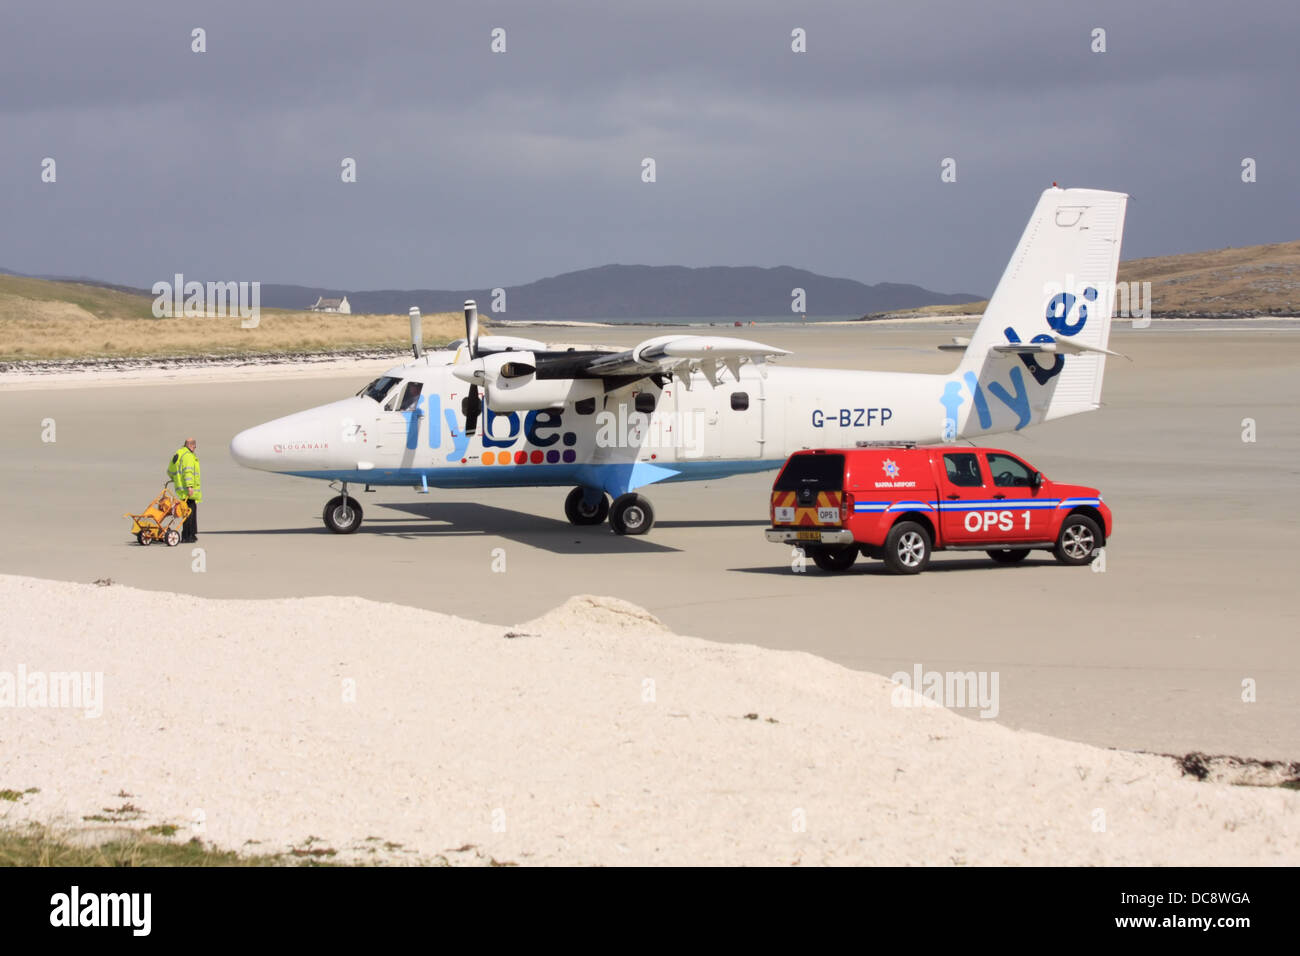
1078 541
579 512
631 514
1009 555
834 559
342 514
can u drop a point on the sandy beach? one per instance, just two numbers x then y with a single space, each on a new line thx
1185 642
591 735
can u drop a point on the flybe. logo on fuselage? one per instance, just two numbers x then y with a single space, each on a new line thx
541 428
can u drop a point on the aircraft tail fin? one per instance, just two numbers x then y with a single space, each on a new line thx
1042 342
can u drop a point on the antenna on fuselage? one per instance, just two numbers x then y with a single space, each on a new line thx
417 333
471 328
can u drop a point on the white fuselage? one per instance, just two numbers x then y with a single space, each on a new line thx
742 424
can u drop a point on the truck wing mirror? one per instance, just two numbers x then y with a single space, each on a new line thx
1036 479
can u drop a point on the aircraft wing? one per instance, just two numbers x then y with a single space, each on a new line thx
678 353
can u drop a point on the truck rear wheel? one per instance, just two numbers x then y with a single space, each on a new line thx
834 559
907 549
1079 540
1008 555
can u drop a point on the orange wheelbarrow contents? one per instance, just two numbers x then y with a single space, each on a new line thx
159 521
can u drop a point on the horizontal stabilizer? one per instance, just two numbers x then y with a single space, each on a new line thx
1059 344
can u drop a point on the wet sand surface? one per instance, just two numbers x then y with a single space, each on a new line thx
1198 598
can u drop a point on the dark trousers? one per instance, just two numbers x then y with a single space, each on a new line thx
190 529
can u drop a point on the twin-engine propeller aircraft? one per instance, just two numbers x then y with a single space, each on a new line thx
496 411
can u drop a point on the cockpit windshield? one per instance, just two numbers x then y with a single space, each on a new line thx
379 388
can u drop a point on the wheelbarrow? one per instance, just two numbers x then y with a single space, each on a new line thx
159 521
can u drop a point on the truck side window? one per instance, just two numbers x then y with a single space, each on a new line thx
1008 472
963 470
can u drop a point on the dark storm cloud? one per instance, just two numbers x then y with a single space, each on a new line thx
482 169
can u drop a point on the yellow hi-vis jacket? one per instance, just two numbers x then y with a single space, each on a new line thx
184 473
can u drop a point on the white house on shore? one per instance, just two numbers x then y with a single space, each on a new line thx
331 305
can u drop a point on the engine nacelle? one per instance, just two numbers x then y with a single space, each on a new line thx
512 385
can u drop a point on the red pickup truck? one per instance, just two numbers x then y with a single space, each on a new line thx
904 502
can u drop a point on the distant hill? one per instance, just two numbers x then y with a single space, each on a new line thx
1248 280
617 292
1227 283
641 292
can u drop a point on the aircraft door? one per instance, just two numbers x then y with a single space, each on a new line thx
697 423
398 423
741 417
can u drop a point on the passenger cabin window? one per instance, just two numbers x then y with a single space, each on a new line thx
379 388
645 402
963 470
1009 472
585 406
739 401
411 397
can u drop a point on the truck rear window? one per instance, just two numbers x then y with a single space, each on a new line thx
817 472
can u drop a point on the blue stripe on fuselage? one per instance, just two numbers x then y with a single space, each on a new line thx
515 476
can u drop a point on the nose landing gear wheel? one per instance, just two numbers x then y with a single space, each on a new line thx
342 514
578 512
631 514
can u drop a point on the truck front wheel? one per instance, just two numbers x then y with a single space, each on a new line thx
1079 540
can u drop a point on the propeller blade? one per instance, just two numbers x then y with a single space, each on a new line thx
471 327
417 333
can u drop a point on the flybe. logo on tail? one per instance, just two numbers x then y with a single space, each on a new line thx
1067 314
1059 311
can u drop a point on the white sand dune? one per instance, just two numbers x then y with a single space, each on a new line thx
551 747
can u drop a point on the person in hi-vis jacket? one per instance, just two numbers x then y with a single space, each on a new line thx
184 473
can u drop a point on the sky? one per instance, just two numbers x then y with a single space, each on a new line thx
477 168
